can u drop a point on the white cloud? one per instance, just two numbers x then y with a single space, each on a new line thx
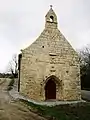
21 21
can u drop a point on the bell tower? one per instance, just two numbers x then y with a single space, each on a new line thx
51 19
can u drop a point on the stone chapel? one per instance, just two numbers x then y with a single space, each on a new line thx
49 68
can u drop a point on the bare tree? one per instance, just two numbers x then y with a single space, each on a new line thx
13 66
85 55
85 67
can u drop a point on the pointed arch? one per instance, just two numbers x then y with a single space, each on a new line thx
51 87
54 78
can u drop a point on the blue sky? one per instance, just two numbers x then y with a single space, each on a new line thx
22 21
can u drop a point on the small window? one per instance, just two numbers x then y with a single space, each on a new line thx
51 18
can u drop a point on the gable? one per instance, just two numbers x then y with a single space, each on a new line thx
51 41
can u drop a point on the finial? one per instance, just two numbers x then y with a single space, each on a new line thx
51 6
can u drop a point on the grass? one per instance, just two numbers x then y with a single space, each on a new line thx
79 111
10 86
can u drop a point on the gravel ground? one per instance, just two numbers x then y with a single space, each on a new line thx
12 110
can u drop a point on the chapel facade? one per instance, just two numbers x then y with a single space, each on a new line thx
49 68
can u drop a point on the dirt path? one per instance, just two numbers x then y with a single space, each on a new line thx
11 110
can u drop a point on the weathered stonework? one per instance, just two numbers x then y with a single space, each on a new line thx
50 57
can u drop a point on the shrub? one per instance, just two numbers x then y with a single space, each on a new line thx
10 86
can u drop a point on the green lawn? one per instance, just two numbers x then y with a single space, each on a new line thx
79 111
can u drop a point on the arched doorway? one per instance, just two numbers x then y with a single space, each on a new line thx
50 90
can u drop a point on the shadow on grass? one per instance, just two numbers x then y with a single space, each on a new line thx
79 111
